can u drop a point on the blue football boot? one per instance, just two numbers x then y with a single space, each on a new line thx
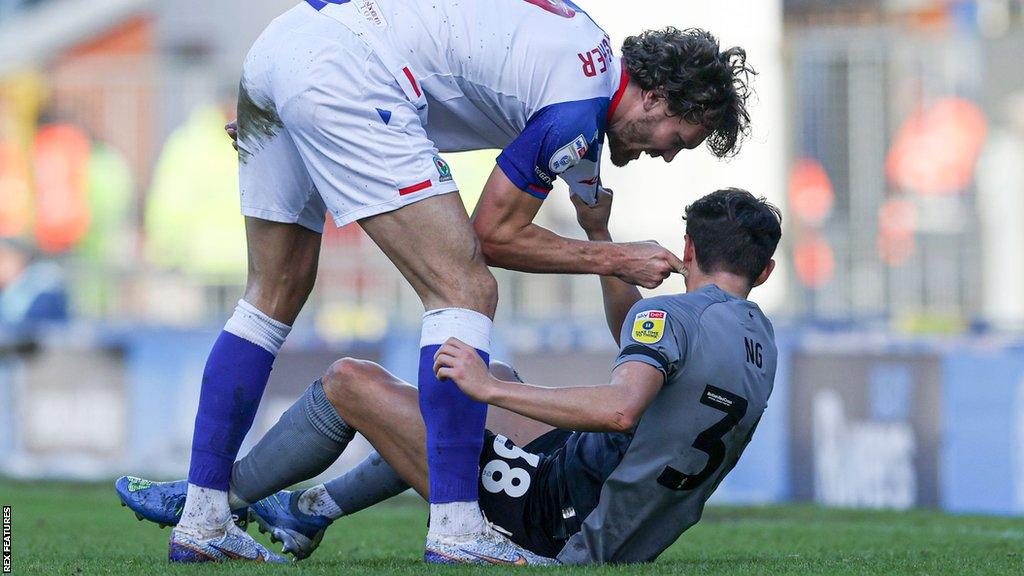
489 547
279 515
234 545
159 502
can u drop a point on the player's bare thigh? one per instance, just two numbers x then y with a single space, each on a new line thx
385 410
433 245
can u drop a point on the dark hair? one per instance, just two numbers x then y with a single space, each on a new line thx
732 231
703 85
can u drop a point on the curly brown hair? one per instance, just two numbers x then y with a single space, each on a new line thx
701 83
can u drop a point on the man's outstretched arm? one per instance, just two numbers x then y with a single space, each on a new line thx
504 223
614 407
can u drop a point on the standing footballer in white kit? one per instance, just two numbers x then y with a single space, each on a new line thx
344 106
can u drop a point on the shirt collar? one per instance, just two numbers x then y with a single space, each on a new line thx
617 97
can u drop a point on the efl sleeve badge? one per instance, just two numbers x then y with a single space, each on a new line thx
649 326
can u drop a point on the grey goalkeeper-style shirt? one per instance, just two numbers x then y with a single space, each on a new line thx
718 355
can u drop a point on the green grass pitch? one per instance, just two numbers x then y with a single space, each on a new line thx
67 529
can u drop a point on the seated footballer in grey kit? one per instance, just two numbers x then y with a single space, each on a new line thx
589 474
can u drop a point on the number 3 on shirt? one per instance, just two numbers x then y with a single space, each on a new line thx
710 440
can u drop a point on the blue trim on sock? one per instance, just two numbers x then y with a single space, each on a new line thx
455 433
233 382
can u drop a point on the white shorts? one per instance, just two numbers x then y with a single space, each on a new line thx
323 124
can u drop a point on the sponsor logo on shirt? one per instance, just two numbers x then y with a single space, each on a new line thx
372 13
569 155
717 399
580 146
649 326
542 175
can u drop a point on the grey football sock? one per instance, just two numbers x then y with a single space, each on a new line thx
306 440
371 482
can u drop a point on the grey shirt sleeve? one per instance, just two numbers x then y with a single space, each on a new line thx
652 335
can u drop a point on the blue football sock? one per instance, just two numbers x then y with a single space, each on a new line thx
233 382
454 422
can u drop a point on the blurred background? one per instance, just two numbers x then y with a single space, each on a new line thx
890 131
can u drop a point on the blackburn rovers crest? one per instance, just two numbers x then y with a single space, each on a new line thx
443 170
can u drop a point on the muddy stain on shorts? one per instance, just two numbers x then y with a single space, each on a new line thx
258 123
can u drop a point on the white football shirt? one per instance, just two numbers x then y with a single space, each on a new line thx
535 78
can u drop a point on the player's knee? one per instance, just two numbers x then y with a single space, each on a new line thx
290 284
466 282
481 291
284 293
477 291
347 379
503 371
